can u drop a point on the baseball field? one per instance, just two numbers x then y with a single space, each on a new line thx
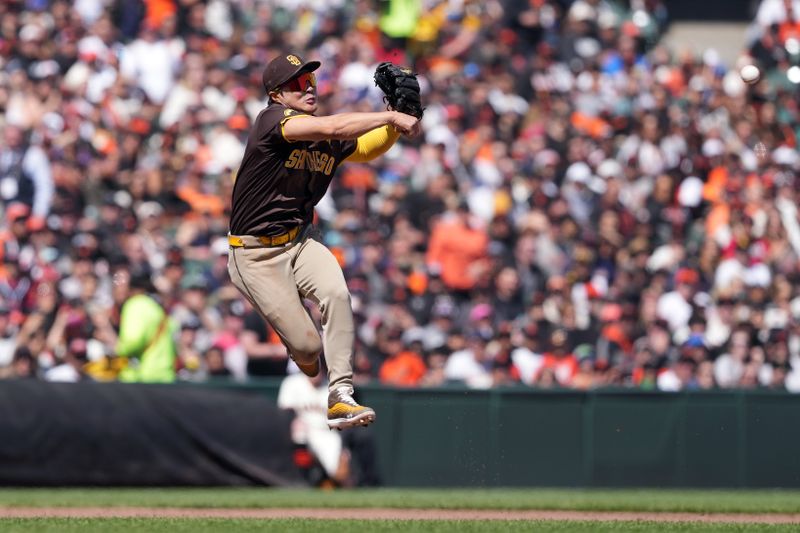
443 510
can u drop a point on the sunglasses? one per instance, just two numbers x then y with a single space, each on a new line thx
301 82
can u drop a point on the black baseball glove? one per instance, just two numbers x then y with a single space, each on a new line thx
400 87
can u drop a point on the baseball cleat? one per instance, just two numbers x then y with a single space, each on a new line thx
310 369
344 412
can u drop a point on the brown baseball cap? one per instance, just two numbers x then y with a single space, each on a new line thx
285 67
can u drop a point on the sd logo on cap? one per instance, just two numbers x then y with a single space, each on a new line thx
284 68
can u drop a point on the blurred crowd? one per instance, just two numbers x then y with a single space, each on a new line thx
586 207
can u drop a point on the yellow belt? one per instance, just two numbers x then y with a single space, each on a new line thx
276 240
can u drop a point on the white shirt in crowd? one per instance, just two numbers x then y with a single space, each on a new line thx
774 12
152 65
728 371
37 166
528 364
462 366
674 309
669 381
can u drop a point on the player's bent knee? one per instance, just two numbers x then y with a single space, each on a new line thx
307 350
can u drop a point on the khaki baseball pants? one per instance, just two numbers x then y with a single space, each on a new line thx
276 279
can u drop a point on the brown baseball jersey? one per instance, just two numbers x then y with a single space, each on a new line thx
280 182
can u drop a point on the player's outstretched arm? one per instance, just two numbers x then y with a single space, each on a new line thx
345 126
373 144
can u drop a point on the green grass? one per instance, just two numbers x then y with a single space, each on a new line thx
699 501
192 525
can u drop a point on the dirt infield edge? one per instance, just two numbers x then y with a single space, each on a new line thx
388 514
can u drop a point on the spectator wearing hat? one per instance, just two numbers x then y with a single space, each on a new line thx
559 364
442 321
469 363
190 358
680 375
481 320
435 361
404 365
585 377
777 365
527 355
193 309
676 306
214 363
500 350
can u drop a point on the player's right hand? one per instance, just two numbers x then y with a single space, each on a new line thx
405 124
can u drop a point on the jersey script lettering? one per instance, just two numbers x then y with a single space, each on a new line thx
310 160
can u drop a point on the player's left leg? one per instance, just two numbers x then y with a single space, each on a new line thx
320 279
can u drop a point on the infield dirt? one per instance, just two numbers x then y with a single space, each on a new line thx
388 514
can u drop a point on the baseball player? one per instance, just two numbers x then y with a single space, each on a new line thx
289 161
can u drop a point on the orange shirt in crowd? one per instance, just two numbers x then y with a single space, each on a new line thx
457 248
789 29
404 369
593 126
564 367
156 11
201 202
715 184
